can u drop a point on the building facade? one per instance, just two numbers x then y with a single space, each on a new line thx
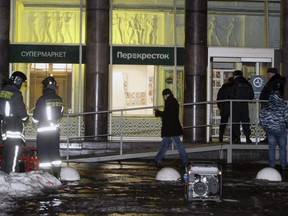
120 55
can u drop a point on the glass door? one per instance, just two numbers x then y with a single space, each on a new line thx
222 63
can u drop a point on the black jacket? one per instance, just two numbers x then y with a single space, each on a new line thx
241 89
170 118
54 102
224 93
276 82
14 117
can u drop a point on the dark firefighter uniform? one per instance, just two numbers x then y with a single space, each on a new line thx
13 114
48 111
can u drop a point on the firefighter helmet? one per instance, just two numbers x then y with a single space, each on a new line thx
17 78
49 82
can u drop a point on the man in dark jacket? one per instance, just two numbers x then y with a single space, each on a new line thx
224 107
48 111
171 127
241 89
276 81
13 114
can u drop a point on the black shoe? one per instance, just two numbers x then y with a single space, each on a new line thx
158 164
265 141
284 173
236 140
184 165
220 139
248 140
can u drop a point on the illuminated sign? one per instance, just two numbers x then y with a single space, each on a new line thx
44 53
143 55
257 82
33 53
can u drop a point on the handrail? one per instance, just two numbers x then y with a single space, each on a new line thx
121 111
121 115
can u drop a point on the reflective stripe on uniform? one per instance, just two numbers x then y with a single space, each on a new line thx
13 135
7 108
57 163
51 127
45 165
15 158
49 113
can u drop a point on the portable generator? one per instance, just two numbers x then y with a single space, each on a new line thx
203 181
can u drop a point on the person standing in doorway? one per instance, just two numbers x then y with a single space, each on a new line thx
241 89
224 107
13 115
48 111
274 120
171 127
275 81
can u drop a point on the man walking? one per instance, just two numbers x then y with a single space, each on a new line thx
171 127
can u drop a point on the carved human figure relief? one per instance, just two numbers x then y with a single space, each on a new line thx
66 27
47 27
212 32
134 30
33 24
116 29
152 30
58 29
230 34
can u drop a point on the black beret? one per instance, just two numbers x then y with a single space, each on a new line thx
237 73
272 70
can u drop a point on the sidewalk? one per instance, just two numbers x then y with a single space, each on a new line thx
129 188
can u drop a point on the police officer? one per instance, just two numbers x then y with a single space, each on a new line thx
13 114
241 89
48 111
276 81
224 107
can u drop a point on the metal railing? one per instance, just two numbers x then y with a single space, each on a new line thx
121 127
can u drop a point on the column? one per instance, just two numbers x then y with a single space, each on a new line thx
4 37
284 42
97 69
195 67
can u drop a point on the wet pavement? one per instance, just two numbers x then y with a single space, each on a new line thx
129 188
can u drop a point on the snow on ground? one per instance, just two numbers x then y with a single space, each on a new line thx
29 183
23 185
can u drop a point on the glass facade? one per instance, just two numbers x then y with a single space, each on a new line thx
135 24
50 23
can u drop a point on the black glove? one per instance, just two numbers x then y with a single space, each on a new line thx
158 113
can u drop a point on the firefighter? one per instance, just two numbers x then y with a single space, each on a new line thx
13 115
48 111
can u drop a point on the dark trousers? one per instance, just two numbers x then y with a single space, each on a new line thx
223 123
12 151
240 114
48 146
